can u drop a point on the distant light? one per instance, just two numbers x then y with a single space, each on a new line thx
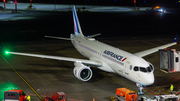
157 7
7 52
4 0
176 2
15 1
87 0
161 10
114 0
179 1
144 1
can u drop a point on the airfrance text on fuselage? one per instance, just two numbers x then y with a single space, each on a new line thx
116 56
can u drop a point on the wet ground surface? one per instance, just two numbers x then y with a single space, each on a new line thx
46 75
131 31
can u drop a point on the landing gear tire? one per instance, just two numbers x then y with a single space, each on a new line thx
141 92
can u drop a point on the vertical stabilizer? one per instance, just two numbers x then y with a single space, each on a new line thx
77 27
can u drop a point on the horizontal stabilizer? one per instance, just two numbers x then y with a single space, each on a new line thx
57 37
91 36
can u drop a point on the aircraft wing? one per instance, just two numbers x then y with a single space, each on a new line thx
95 63
150 51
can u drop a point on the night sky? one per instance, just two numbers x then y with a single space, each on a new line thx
111 2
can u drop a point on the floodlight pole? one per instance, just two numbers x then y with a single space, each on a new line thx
134 4
55 5
30 3
4 4
16 6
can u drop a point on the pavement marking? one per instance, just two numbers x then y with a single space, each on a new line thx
175 88
125 86
167 89
164 71
164 90
165 83
22 78
156 84
103 73
116 81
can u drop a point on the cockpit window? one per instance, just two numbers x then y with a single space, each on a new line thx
143 69
136 68
149 69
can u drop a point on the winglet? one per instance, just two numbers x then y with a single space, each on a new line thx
175 39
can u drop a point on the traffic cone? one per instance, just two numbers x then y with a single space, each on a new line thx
93 99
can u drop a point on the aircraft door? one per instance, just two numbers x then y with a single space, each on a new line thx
127 67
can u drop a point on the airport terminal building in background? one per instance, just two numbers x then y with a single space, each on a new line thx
149 3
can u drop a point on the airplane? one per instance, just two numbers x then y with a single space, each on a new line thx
106 58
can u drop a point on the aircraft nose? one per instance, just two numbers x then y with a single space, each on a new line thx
150 80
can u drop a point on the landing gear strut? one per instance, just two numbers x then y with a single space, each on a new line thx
140 89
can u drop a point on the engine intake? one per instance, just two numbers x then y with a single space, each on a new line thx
82 72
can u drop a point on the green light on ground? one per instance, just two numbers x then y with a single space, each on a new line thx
6 87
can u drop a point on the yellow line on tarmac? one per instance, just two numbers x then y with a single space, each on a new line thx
23 79
116 81
103 73
163 71
119 83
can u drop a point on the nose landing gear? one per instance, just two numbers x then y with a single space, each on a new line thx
141 92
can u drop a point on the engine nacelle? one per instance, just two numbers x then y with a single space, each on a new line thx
82 72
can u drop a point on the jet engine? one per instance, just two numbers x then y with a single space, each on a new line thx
82 72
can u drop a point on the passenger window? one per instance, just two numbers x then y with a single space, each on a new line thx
136 68
177 59
143 69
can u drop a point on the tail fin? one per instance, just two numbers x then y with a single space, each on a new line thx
175 39
77 27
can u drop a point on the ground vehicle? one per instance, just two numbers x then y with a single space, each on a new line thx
124 94
10 1
1 8
58 96
14 95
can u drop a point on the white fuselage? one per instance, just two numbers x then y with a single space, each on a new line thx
115 60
